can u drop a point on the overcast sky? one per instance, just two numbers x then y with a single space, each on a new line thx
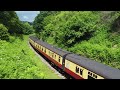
27 15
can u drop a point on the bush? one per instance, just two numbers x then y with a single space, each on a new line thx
88 33
100 53
3 32
68 27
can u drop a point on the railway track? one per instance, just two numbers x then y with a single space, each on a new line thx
56 70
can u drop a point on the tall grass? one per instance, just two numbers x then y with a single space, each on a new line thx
18 61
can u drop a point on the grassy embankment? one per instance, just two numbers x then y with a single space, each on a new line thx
18 61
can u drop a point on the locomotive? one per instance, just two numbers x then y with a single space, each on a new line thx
76 66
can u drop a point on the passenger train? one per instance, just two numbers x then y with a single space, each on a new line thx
76 66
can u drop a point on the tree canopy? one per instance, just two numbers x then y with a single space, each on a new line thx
11 21
28 29
10 24
93 34
3 32
66 27
38 22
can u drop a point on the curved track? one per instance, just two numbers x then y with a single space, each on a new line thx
48 64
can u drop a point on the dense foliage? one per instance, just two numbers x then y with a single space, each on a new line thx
14 26
11 21
18 61
37 24
3 32
93 34
77 26
28 29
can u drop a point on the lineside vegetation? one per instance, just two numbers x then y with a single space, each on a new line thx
18 61
92 34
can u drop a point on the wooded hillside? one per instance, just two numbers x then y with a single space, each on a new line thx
93 34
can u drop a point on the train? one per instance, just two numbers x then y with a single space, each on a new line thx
75 65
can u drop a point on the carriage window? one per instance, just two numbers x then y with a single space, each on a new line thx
95 76
89 77
77 69
81 71
59 59
52 55
89 73
55 56
45 50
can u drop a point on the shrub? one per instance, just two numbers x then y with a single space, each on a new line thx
3 32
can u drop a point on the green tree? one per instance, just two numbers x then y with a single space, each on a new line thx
11 21
38 22
28 29
3 32
69 27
